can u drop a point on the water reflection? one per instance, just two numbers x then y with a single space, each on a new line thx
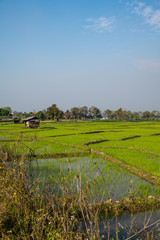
107 180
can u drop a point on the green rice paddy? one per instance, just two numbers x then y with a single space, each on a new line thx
134 144
104 179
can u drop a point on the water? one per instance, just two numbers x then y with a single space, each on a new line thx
136 226
103 180
107 180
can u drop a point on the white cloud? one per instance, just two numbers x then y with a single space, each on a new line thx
150 15
100 24
150 65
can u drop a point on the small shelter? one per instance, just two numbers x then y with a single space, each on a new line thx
16 120
32 122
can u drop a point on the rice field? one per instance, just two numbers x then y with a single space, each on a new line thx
107 169
127 144
107 180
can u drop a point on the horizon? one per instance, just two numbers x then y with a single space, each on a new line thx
83 53
101 110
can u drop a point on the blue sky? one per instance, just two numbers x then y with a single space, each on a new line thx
80 52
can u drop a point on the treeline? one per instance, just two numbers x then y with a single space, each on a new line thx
84 113
119 114
5 111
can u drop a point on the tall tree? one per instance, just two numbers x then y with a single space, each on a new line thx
54 112
108 114
40 115
146 115
75 113
95 112
84 112
5 111
119 114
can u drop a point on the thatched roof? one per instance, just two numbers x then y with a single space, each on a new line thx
30 119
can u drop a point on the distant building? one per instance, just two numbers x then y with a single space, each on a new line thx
32 122
16 120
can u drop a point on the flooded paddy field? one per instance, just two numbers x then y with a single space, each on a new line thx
106 184
107 181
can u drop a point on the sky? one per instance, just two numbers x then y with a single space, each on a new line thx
103 53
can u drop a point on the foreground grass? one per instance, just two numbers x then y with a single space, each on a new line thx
29 210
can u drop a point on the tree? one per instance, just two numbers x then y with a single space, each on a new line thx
67 114
146 115
5 111
94 112
155 115
140 114
54 112
108 114
136 116
40 115
84 112
75 113
119 114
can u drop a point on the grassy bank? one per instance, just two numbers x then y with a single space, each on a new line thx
29 210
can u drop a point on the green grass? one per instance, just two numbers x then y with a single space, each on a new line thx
144 161
49 139
149 143
39 147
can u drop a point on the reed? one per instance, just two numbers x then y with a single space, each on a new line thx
62 206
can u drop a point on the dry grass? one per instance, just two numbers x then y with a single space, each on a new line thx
27 212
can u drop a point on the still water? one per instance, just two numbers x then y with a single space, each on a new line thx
106 181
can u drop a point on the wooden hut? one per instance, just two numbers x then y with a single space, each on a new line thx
16 120
32 122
